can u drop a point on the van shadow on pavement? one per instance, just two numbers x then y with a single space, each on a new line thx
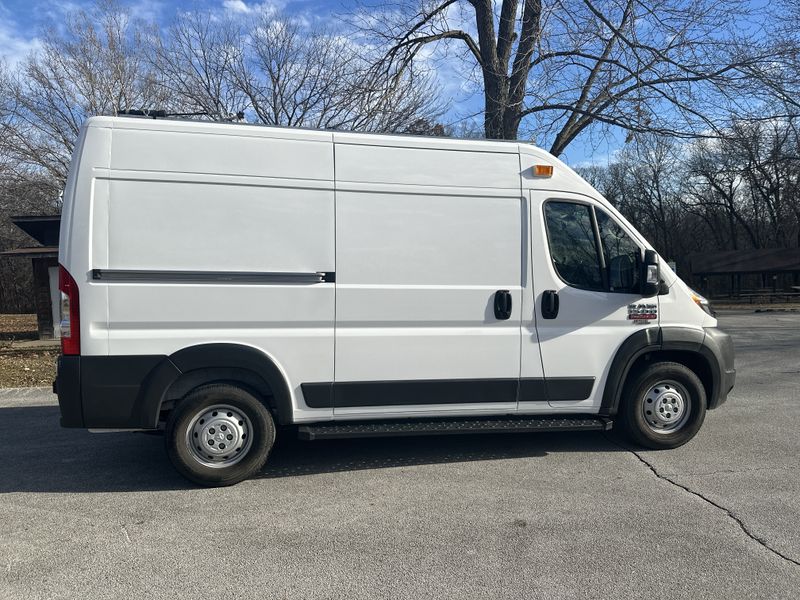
40 456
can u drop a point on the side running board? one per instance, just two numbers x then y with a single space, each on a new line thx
412 427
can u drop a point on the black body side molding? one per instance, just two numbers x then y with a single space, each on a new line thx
444 391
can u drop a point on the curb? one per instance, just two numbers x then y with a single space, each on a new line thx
23 392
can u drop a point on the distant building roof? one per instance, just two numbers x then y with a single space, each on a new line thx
42 228
35 252
746 261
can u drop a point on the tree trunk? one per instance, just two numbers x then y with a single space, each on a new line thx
496 99
501 122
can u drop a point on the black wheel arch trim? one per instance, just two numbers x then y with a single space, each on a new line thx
713 345
638 344
158 382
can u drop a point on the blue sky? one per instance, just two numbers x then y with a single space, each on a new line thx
21 21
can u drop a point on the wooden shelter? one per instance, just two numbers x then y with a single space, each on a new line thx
44 259
749 273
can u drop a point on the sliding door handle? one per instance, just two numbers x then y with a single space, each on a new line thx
502 305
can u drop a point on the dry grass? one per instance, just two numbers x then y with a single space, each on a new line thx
24 366
27 368
17 327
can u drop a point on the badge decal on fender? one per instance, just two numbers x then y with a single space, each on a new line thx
642 311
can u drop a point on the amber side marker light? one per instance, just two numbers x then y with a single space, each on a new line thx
542 170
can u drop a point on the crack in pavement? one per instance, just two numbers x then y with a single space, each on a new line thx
762 542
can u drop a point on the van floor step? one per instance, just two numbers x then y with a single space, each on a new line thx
440 426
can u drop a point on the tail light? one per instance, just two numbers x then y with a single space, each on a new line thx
70 313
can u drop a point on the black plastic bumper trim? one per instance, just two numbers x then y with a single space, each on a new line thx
68 387
110 387
718 348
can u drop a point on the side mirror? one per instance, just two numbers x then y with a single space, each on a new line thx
651 275
621 273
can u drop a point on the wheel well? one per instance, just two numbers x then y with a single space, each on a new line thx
693 360
191 380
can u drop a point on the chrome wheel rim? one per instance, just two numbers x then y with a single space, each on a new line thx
219 436
665 407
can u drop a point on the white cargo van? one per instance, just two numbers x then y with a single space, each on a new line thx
224 282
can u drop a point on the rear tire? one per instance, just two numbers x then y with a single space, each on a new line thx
219 435
663 407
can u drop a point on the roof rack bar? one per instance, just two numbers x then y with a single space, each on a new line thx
163 114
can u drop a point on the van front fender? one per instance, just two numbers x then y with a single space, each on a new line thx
710 348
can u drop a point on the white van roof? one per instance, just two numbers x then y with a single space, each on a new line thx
301 133
564 178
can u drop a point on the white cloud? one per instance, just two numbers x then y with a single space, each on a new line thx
237 6
148 10
14 47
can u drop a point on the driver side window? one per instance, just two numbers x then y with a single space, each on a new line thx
590 250
622 255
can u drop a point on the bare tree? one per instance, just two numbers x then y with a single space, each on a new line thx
565 65
747 177
193 62
293 76
272 68
282 72
738 191
94 67
777 83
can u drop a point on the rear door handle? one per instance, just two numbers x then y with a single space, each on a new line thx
550 304
502 305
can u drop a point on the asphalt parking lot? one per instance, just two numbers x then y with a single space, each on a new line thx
515 516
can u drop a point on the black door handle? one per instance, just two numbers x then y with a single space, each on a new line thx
502 305
550 304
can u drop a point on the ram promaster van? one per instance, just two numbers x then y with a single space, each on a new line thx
225 282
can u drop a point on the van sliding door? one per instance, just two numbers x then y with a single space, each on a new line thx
428 289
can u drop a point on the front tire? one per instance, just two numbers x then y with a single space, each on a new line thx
664 406
219 435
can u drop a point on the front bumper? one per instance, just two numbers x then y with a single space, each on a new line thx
718 346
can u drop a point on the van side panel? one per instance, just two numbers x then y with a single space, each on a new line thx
204 226
249 154
205 245
425 166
